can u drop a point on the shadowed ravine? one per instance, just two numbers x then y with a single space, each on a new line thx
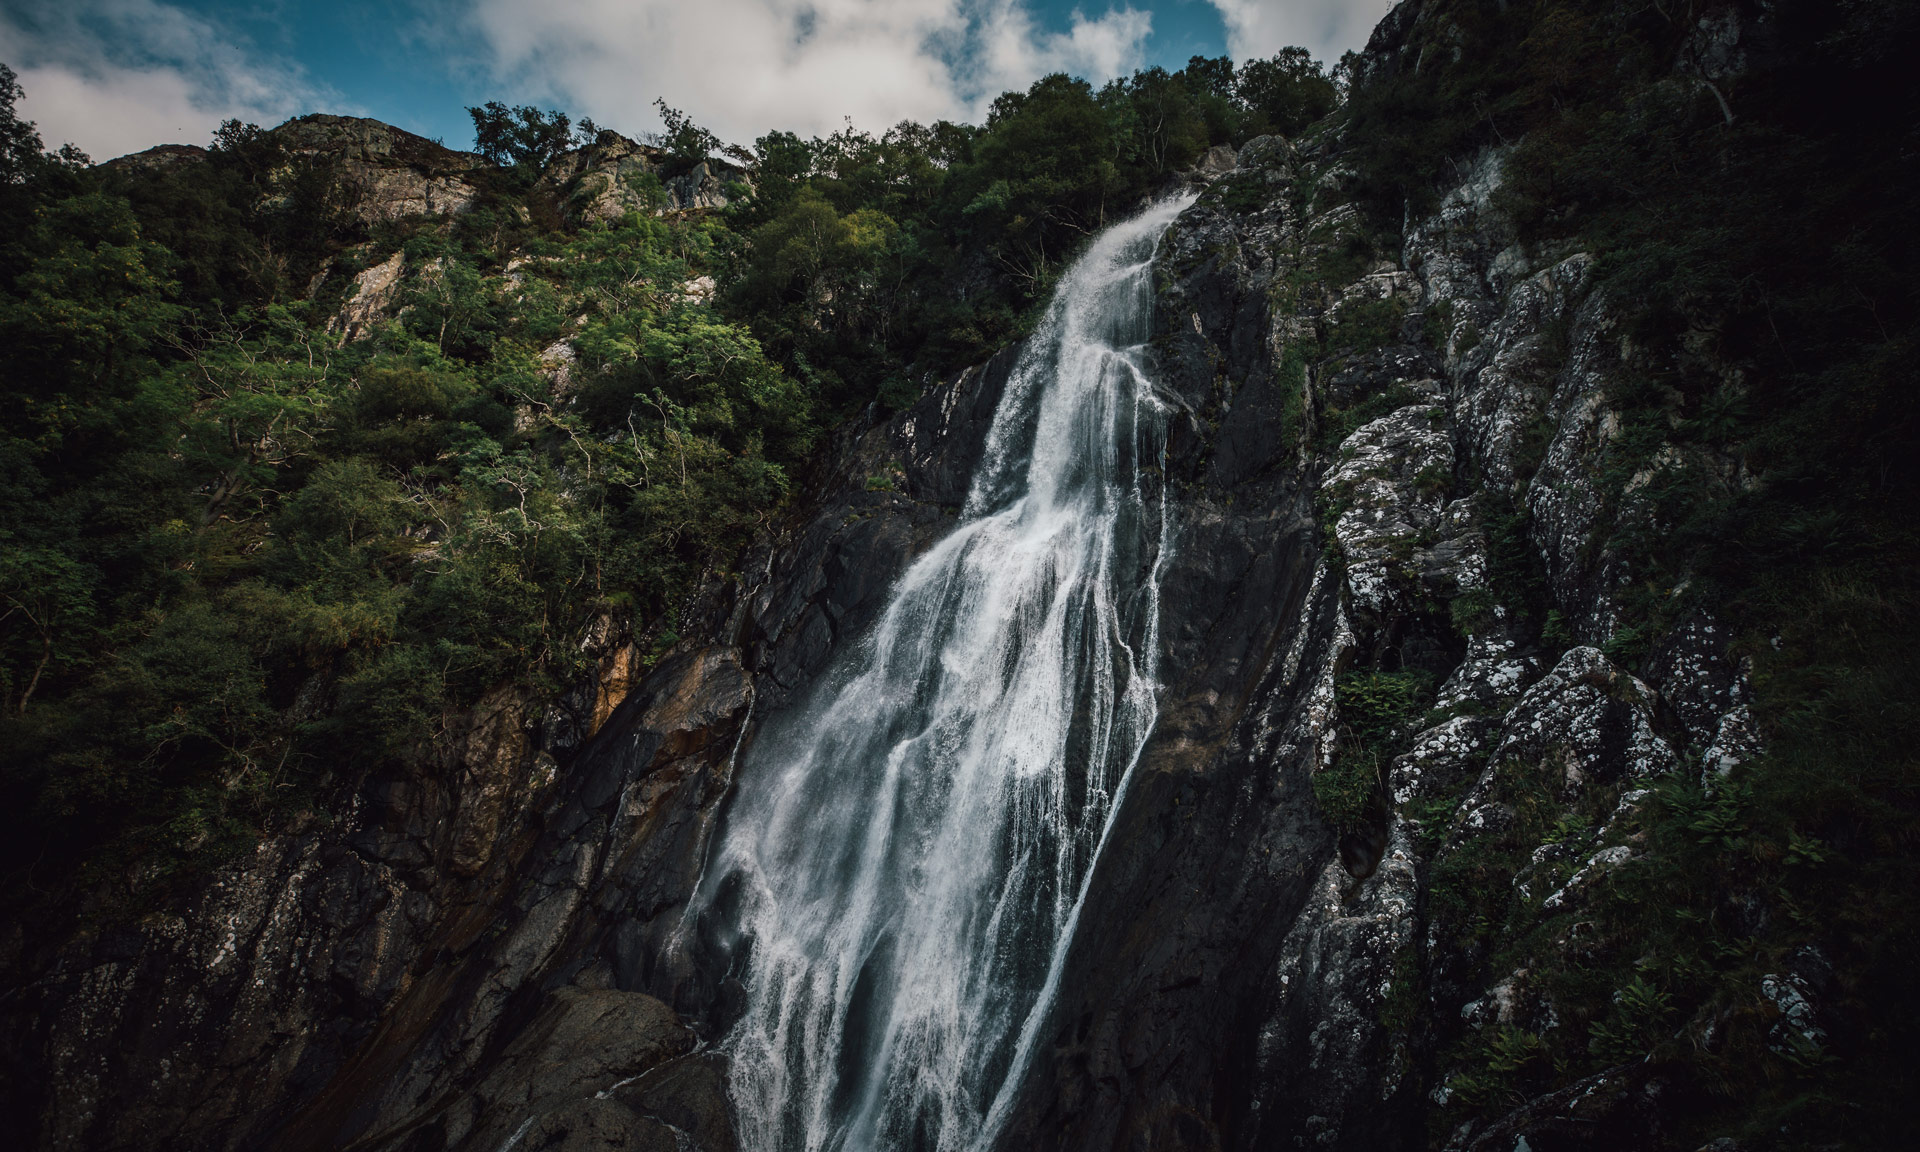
908 849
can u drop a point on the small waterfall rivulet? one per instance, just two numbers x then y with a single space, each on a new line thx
906 855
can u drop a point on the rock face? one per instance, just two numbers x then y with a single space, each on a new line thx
614 176
1238 982
1216 847
595 1068
390 174
371 298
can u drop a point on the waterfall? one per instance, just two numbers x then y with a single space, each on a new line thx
907 851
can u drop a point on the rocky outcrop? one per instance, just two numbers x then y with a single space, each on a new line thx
614 176
596 1068
387 172
1216 844
1237 982
157 159
371 299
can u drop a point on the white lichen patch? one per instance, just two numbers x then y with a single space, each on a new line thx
1389 488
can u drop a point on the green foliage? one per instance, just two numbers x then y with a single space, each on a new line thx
1400 1007
525 139
1339 423
1408 127
1377 710
1366 324
1285 93
1348 790
856 244
1516 575
1471 612
1436 324
1377 707
688 142
243 559
21 158
1640 1011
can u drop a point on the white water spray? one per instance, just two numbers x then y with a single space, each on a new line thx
907 853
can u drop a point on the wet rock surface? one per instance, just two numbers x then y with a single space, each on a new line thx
1215 846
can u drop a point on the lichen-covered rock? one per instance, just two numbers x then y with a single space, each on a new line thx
1327 1058
371 298
1389 491
1591 720
157 158
614 176
1440 758
1699 685
390 174
1494 672
1615 1109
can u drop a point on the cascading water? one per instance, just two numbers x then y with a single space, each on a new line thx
907 852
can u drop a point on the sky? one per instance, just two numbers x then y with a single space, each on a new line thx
117 76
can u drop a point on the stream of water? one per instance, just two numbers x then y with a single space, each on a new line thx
907 851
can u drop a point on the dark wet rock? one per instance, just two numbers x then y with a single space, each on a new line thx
689 1096
1214 847
593 1125
559 1072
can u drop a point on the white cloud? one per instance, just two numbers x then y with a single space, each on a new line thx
118 76
744 66
1013 53
1325 27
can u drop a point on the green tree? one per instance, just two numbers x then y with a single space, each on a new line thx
1042 176
1169 130
19 140
524 138
681 136
1286 92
